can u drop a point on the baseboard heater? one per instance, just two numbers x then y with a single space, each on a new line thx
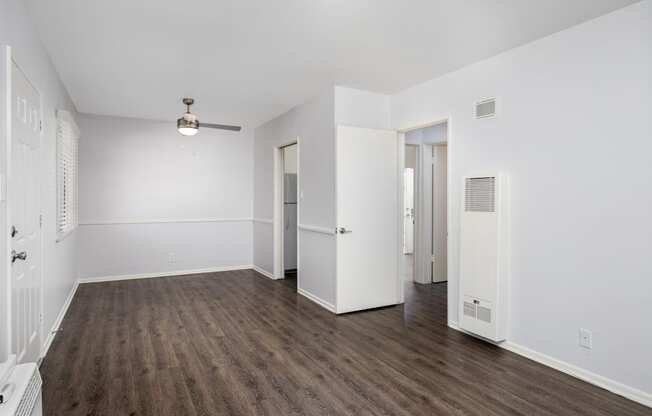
20 394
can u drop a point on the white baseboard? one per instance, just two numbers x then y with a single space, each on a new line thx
57 323
328 306
613 386
264 272
162 274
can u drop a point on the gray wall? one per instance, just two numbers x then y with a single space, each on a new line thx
573 133
154 201
59 258
313 123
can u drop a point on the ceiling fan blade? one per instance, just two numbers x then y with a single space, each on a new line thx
220 126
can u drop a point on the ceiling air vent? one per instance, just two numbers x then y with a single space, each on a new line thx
485 108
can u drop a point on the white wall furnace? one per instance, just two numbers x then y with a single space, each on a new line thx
484 256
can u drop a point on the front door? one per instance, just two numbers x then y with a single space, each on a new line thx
24 218
368 241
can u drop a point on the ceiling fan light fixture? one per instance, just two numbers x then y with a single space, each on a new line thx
188 126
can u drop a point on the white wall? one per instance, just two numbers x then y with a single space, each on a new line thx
59 259
313 124
147 192
574 134
359 108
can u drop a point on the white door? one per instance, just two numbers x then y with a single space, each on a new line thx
368 241
24 218
439 214
408 211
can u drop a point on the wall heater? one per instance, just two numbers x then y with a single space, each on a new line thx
20 394
484 256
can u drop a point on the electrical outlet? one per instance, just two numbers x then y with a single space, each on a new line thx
172 258
586 338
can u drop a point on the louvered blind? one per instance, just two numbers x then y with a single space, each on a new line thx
67 168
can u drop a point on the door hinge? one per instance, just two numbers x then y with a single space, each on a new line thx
40 220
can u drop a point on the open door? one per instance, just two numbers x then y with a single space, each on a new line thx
367 238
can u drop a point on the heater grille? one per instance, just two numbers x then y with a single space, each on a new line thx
484 314
480 194
469 309
30 396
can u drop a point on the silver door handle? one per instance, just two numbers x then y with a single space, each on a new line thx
18 256
342 230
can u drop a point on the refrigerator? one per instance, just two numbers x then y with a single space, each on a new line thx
290 221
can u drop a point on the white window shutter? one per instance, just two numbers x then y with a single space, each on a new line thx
67 169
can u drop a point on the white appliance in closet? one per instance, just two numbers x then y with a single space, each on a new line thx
290 221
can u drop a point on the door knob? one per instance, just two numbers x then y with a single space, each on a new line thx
18 256
343 230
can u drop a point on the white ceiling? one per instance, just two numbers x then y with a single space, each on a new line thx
246 61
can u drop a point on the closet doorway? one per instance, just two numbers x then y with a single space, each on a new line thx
290 213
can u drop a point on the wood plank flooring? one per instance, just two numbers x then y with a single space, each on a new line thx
237 343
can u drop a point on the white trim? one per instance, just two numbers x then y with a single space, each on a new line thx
164 221
316 229
263 220
264 272
57 323
62 236
6 103
162 274
328 306
613 386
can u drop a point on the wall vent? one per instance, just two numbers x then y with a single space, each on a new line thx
479 194
485 108
469 309
484 314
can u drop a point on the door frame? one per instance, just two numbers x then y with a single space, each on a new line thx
5 282
414 189
423 259
435 212
278 229
6 302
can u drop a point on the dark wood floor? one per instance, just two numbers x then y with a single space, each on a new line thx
239 343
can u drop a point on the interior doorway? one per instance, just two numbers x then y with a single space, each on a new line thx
290 201
287 213
426 151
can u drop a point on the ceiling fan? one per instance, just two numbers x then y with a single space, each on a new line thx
188 125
